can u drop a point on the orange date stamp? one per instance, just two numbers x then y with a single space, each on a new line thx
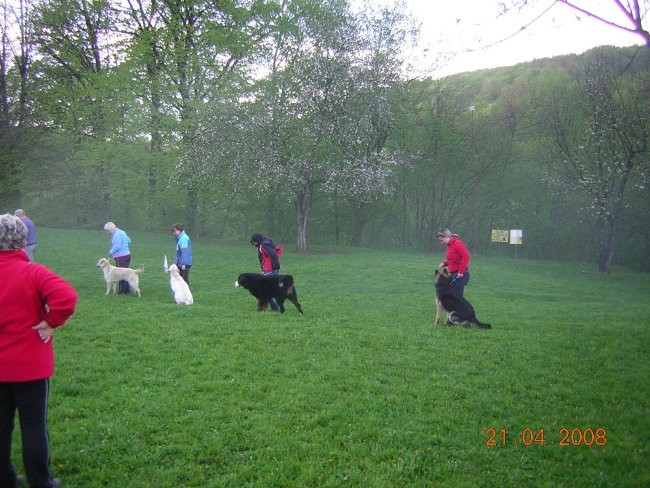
565 437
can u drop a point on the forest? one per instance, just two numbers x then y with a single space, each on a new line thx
301 120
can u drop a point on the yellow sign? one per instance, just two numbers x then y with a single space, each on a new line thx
500 236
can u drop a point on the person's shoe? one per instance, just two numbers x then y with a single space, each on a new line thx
20 480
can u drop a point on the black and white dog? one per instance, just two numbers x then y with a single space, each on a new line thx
264 288
460 311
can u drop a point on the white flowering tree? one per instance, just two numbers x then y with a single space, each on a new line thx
319 120
601 149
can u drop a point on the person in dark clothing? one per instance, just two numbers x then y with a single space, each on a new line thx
268 254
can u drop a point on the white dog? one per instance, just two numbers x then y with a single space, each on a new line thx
180 288
113 275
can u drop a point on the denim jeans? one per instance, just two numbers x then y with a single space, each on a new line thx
272 301
458 284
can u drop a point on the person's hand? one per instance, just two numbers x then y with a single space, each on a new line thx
441 265
183 267
459 275
45 332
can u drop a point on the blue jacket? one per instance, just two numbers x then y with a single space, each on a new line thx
31 231
183 250
119 244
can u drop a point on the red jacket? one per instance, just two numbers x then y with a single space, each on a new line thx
29 293
457 256
268 254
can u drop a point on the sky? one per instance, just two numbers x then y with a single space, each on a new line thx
468 35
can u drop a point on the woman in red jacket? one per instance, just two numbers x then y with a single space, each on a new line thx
34 301
456 260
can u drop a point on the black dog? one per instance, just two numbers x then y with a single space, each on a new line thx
459 309
264 288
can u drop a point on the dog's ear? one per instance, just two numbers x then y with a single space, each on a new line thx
436 273
445 272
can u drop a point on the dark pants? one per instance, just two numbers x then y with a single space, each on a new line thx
185 273
273 302
458 284
30 399
124 262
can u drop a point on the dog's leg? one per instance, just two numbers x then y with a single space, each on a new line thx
293 298
261 305
133 285
456 320
438 306
108 287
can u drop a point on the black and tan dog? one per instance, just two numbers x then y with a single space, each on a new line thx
459 311
264 288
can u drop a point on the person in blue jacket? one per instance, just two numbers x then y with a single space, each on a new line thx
31 233
183 251
120 251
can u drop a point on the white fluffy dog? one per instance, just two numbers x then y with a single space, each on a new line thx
113 275
180 288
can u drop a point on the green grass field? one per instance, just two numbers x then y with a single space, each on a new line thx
363 390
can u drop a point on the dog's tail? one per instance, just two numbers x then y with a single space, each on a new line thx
480 325
140 269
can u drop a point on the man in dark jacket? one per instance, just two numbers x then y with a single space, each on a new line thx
268 253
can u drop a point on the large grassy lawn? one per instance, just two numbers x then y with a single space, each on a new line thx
363 390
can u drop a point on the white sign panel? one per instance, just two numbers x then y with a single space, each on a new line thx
516 236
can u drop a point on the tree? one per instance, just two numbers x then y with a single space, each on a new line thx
117 78
321 117
15 62
187 53
601 147
457 145
635 12
332 107
74 46
433 166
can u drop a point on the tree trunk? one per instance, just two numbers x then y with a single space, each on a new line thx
605 263
303 206
609 227
606 252
301 229
609 232
360 222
